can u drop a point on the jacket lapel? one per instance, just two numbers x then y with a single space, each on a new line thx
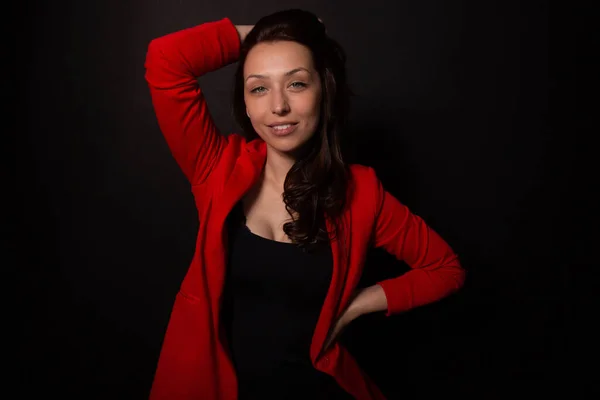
332 307
245 173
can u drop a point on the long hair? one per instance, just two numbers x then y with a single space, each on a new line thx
316 186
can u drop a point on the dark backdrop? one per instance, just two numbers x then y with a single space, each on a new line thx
452 110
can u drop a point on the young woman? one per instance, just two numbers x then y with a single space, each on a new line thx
285 224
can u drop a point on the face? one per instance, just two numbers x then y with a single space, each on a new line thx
282 91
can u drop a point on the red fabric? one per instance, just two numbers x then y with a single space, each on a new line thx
194 362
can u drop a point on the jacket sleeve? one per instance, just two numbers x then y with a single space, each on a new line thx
173 65
435 269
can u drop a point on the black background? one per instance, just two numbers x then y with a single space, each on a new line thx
452 109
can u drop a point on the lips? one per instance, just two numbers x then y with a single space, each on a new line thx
282 123
282 129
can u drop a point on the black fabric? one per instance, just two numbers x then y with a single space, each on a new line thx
273 297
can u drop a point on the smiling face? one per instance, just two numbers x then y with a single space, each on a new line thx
282 92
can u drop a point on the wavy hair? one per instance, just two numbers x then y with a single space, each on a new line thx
317 184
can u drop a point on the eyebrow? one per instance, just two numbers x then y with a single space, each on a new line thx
291 72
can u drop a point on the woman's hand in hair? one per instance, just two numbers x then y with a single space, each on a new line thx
243 31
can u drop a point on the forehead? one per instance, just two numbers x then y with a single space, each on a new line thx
272 58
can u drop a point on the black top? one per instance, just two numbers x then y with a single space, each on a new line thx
273 296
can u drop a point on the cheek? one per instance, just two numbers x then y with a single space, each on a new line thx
310 108
257 113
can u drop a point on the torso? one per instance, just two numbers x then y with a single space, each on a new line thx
272 301
265 212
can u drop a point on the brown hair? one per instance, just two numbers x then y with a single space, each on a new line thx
316 185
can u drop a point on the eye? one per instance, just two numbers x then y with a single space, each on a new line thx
258 89
298 85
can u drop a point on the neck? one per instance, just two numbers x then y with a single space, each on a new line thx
277 167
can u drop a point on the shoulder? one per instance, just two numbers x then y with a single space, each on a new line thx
237 146
365 184
364 177
237 149
254 146
362 173
238 142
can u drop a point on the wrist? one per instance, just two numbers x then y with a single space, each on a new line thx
243 31
368 300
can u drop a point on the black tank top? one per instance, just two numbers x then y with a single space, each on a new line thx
273 295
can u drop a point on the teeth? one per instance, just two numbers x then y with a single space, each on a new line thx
282 127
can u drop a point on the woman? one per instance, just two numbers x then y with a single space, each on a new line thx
285 224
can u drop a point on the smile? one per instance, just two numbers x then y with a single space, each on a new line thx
283 129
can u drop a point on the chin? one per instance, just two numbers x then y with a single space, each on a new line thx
284 146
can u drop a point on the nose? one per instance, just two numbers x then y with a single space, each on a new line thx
280 105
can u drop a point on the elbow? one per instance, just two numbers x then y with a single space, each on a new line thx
451 273
153 53
158 74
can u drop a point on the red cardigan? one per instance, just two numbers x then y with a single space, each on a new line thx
194 361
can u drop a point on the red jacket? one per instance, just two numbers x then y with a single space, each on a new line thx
194 361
